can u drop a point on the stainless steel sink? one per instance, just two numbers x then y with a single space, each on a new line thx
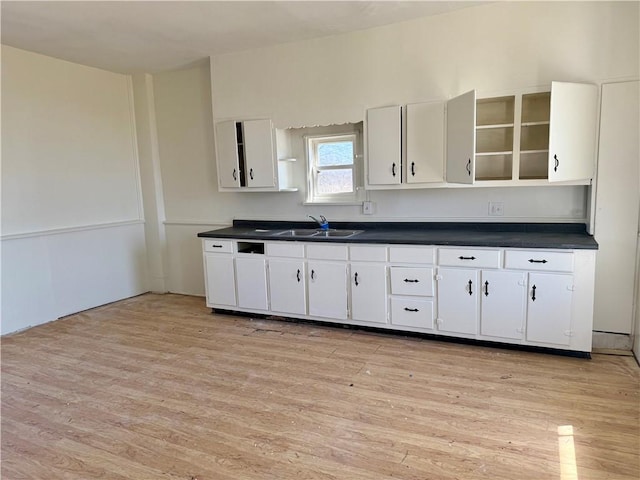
298 232
308 232
337 233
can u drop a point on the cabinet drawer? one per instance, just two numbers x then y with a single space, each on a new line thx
218 246
285 249
411 254
368 254
410 312
466 257
539 260
327 252
411 281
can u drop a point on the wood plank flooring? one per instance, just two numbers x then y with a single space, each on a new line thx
156 387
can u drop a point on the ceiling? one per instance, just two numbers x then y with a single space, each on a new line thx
153 36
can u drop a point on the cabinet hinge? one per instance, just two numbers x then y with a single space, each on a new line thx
522 283
439 321
571 288
568 333
437 277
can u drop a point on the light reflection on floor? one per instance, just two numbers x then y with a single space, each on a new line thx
567 451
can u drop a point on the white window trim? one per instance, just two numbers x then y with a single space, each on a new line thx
352 198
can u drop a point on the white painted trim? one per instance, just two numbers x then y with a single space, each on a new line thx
81 228
195 223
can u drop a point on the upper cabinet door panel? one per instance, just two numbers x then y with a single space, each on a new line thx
425 143
384 145
461 138
227 155
259 153
572 131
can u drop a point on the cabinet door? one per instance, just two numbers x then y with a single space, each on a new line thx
549 308
425 143
287 286
384 140
251 280
502 302
227 155
327 289
259 154
461 138
458 300
369 293
220 280
572 131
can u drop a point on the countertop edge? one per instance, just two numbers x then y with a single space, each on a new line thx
563 237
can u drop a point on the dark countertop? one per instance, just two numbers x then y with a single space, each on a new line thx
515 235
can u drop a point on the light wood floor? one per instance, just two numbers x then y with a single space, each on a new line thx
156 387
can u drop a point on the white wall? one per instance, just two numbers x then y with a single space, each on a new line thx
491 48
72 220
617 206
502 46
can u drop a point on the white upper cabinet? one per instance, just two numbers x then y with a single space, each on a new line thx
227 154
405 145
246 157
259 153
572 131
384 145
542 136
425 143
461 138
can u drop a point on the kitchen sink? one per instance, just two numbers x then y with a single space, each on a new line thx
337 233
298 232
308 232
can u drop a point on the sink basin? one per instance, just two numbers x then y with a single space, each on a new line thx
337 233
298 232
308 232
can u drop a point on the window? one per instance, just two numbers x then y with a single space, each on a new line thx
332 168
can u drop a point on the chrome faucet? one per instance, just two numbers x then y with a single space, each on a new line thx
324 224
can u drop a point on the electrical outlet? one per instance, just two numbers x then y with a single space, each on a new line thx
367 208
496 209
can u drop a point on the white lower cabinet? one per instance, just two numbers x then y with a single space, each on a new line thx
528 297
412 287
369 292
412 312
251 282
502 310
327 283
287 285
220 282
549 304
458 300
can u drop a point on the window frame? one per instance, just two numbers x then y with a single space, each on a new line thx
312 143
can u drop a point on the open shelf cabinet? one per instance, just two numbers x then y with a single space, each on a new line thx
547 136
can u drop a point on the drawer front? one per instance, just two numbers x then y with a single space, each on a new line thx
411 281
368 254
319 251
411 312
468 257
411 254
285 249
218 246
539 260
